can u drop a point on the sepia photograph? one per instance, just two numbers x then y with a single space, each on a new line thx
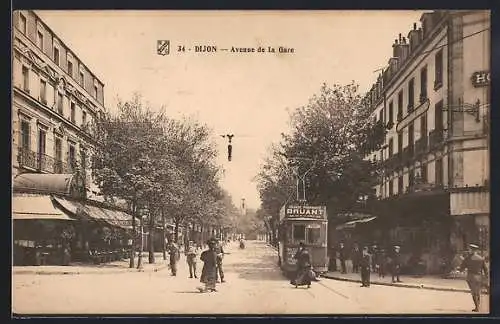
176 162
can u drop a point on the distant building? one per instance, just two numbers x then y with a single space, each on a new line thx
434 98
55 99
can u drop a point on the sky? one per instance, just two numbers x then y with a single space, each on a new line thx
245 94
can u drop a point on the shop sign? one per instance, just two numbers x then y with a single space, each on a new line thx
481 79
306 211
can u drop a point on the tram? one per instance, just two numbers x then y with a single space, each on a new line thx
306 224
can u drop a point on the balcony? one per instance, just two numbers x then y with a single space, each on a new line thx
421 146
43 162
435 138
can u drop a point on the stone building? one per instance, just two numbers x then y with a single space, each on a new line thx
55 99
434 98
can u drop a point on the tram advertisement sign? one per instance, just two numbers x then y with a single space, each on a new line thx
306 211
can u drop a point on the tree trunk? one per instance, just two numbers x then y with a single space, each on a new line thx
132 248
176 233
151 238
164 243
139 261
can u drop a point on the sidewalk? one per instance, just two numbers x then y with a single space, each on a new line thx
426 282
84 268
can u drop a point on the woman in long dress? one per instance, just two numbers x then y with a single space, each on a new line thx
209 271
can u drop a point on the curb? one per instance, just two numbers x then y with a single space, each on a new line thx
399 285
94 271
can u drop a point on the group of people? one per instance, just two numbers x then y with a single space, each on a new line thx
370 259
212 259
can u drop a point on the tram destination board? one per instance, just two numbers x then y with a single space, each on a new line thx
318 212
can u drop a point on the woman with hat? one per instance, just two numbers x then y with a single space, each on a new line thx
209 271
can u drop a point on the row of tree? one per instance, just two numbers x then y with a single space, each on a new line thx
163 168
329 138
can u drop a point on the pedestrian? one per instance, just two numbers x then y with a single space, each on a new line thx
342 257
174 256
191 254
365 264
332 263
373 252
209 270
303 275
356 258
220 257
476 268
381 262
396 264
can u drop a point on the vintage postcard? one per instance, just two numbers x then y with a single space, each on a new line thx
250 162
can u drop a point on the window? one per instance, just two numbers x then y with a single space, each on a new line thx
438 78
58 156
41 141
82 79
39 40
313 235
423 174
43 91
391 147
26 79
56 55
400 105
59 103
25 135
423 126
70 68
72 155
381 116
95 91
411 95
400 184
423 84
411 136
84 118
299 233
73 111
391 187
84 159
439 172
22 23
438 116
400 143
391 113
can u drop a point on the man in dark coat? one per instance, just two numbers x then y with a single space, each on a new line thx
342 257
174 256
396 264
220 256
476 268
356 258
366 261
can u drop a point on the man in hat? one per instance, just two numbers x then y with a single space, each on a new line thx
365 264
396 264
191 253
476 268
174 255
220 256
342 257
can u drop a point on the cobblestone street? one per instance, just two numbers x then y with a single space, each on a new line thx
254 286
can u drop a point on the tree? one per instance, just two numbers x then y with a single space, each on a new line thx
333 131
125 162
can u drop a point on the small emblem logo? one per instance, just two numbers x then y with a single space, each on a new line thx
163 47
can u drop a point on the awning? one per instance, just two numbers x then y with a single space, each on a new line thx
100 214
36 207
353 223
46 183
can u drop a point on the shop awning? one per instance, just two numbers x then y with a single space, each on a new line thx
353 223
100 214
44 183
36 207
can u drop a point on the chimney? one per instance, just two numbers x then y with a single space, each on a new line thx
413 38
405 49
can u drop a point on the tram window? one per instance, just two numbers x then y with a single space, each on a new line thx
313 235
299 232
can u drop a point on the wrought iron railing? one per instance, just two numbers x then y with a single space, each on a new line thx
27 158
435 138
43 162
421 146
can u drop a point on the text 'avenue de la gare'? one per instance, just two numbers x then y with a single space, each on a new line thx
235 49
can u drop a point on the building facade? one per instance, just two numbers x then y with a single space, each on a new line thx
55 99
434 99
